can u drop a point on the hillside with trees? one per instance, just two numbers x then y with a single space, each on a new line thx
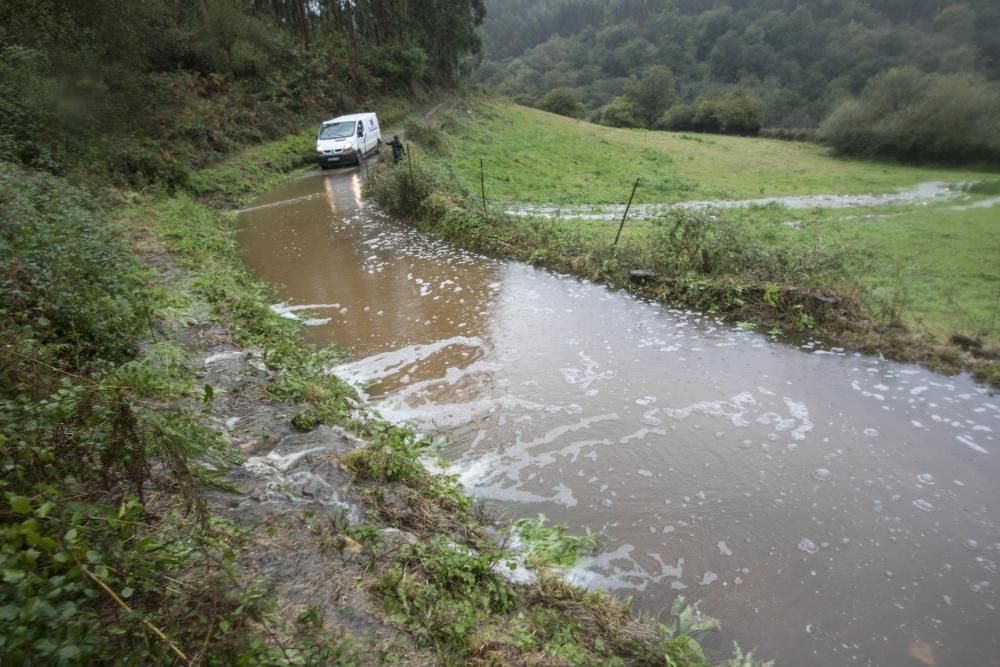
879 78
146 91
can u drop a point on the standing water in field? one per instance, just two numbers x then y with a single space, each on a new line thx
830 508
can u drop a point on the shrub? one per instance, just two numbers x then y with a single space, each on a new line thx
563 101
734 112
430 138
679 118
621 112
396 64
906 114
789 133
68 277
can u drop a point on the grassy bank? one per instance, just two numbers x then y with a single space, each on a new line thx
110 553
915 282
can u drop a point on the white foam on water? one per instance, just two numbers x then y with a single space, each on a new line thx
223 356
807 546
649 417
641 434
822 475
288 311
799 411
971 444
733 409
587 375
617 570
382 365
283 462
429 416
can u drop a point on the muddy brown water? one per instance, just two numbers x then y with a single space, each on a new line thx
830 508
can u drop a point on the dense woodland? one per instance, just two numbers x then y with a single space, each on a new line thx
149 89
913 80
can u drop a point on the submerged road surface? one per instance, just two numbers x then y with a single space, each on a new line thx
831 509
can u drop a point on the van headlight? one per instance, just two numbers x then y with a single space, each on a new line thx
319 151
348 146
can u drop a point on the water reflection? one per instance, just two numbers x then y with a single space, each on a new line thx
832 509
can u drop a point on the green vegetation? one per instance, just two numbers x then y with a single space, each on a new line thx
109 553
737 67
148 93
443 588
908 115
548 546
563 101
903 280
455 602
536 157
100 564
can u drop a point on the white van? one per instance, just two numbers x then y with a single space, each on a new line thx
347 139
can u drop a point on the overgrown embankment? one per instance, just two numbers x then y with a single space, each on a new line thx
750 266
111 442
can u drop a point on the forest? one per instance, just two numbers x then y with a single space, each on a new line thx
146 91
914 81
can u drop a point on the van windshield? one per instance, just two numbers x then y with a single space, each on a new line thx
337 130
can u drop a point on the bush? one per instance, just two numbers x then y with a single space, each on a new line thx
788 133
142 163
396 64
621 112
905 114
734 112
68 277
563 101
679 118
430 138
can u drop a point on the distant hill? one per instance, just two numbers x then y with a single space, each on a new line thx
759 63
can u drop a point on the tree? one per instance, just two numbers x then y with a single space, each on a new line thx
815 52
653 93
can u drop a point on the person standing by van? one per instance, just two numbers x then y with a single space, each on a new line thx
397 149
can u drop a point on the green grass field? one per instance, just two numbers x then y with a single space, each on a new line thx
538 157
934 266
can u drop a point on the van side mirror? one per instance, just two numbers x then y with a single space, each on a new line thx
361 132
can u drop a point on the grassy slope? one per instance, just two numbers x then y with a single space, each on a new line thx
929 265
939 266
534 156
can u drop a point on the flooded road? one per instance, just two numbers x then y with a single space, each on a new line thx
831 509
